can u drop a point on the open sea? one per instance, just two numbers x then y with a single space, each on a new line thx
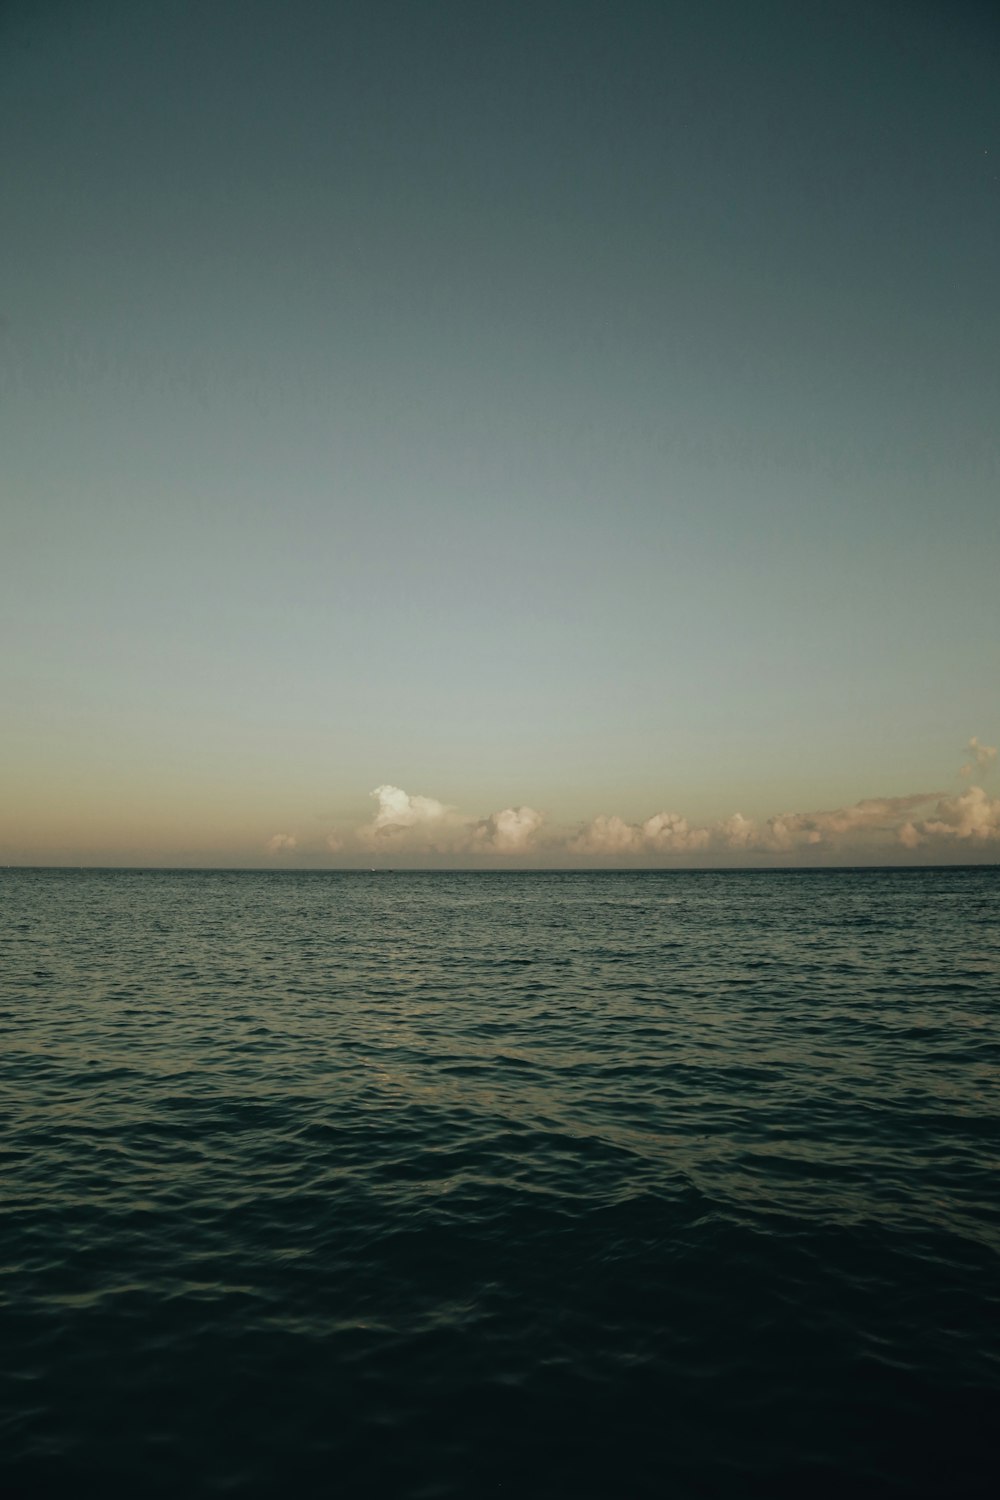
524 1185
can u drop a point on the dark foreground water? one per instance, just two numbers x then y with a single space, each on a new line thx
523 1185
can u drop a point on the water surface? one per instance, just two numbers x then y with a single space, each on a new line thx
619 1184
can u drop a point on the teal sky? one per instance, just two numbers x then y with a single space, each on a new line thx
590 408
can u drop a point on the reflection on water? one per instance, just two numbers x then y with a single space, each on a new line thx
541 1184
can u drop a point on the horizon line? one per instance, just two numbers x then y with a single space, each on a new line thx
502 869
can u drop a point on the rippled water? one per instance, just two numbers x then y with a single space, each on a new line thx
676 1184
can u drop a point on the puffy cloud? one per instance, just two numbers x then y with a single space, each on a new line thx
422 824
738 832
974 815
669 833
406 822
607 836
664 832
281 843
983 757
418 825
398 810
871 815
786 830
507 832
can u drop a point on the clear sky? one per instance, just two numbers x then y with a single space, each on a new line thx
559 411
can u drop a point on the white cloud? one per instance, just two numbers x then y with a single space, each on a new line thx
786 830
974 815
417 825
738 832
664 832
507 832
605 836
281 843
405 822
873 815
424 825
670 833
983 757
398 810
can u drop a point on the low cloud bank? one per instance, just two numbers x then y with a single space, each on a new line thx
873 815
414 826
422 825
670 833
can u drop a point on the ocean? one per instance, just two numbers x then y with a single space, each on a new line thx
619 1184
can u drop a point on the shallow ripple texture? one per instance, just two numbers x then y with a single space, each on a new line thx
626 1184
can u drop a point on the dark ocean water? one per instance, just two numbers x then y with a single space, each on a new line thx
678 1184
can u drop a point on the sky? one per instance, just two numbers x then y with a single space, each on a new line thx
499 433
